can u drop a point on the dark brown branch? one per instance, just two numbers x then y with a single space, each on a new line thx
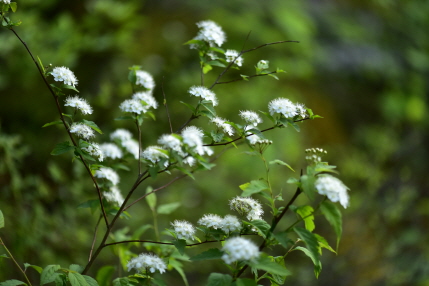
95 237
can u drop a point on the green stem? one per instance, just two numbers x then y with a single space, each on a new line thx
16 263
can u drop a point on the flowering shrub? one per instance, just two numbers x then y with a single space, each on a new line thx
186 151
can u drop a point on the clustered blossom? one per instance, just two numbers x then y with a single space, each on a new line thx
232 55
110 150
94 149
211 33
170 141
145 79
301 110
132 147
183 229
204 93
254 138
125 140
148 262
314 155
230 223
133 106
333 188
108 174
82 130
263 64
221 123
147 97
79 103
193 137
239 249
210 220
114 195
5 1
65 75
247 206
283 106
251 117
154 154
121 135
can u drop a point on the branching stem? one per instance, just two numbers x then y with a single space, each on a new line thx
16 263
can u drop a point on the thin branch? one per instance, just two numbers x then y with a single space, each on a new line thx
240 79
166 106
16 263
268 44
140 146
100 197
95 237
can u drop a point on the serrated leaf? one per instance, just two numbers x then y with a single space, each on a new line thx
254 187
49 274
121 281
90 281
209 107
168 208
66 86
306 213
61 148
283 239
76 279
1 219
218 279
104 275
12 282
307 183
334 217
52 123
313 247
280 162
323 243
212 253
37 268
92 125
317 263
185 171
180 244
76 267
261 225
266 264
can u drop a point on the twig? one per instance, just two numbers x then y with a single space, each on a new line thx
239 79
166 106
16 263
95 237
140 146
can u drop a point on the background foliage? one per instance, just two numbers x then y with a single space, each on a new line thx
362 65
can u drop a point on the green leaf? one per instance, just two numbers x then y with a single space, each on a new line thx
92 204
52 123
179 268
121 282
209 107
185 171
76 267
4 256
273 76
168 208
37 268
49 274
265 263
61 148
307 183
219 50
132 77
245 77
313 247
254 187
1 219
92 125
12 282
151 199
90 281
126 117
194 42
39 60
180 244
69 87
245 282
280 162
306 213
212 253
218 279
189 106
334 217
104 275
207 68
262 226
323 243
76 279
216 63
283 239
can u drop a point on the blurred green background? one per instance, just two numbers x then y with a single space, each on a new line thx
362 65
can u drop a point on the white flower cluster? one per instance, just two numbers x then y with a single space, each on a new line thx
170 141
211 33
148 262
221 123
154 154
110 150
147 97
193 138
65 75
94 149
204 93
108 174
114 195
5 1
239 249
145 79
263 64
287 108
132 106
79 103
247 206
251 117
333 188
228 224
183 229
254 138
232 55
314 155
124 137
141 102
82 130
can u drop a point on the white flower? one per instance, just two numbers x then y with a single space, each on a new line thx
193 137
133 105
79 103
145 79
5 1
132 147
114 195
121 135
254 138
111 150
170 141
65 75
300 110
183 229
147 97
333 188
230 223
248 206
94 150
250 117
210 32
210 220
263 64
283 106
221 123
231 55
82 130
190 161
207 150
148 262
154 154
204 93
238 249
108 174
